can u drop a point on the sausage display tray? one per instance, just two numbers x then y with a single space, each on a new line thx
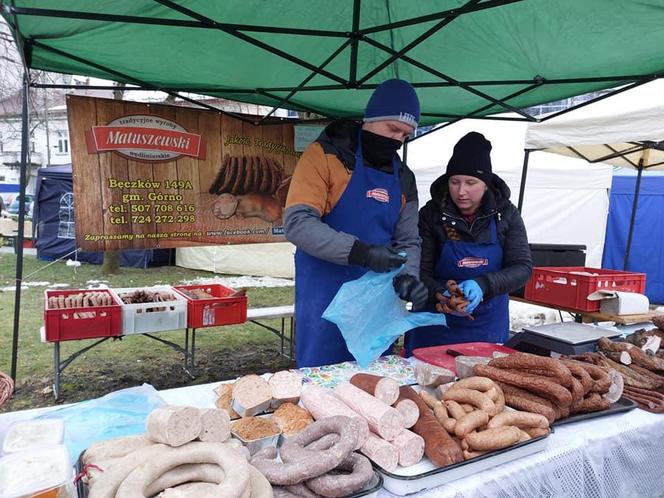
622 405
370 490
423 475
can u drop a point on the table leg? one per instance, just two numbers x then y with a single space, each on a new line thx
193 352
56 369
292 338
283 332
186 349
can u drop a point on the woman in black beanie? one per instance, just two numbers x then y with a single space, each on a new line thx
473 234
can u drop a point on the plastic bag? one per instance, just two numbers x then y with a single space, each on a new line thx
120 413
371 316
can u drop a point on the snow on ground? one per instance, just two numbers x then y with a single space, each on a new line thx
25 285
244 281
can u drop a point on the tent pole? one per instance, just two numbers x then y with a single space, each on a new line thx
524 174
21 223
630 233
405 151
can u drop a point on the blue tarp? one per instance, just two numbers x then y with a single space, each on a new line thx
53 222
647 252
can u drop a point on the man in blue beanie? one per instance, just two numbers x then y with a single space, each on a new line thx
352 207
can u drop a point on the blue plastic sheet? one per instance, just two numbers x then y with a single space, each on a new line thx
371 316
120 413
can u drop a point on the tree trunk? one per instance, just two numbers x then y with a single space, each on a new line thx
111 264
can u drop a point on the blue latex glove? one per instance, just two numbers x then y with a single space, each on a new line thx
473 292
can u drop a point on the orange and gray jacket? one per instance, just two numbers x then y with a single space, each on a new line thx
320 179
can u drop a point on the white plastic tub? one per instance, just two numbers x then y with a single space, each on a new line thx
27 473
141 318
29 434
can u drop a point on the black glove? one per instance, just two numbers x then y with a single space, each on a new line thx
382 259
411 289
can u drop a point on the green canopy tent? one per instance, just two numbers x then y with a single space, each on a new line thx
465 57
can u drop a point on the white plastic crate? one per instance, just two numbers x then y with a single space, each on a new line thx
142 318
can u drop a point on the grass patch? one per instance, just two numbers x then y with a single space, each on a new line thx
221 352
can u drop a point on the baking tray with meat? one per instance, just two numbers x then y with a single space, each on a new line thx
370 490
622 405
424 475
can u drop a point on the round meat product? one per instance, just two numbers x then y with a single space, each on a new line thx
538 385
224 207
439 446
322 404
519 419
229 177
384 420
470 422
219 179
409 411
301 463
470 396
173 425
240 176
266 180
235 469
410 448
338 485
493 439
383 388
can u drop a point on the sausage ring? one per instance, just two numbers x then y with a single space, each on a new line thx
301 463
336 485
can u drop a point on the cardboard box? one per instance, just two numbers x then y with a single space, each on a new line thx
620 303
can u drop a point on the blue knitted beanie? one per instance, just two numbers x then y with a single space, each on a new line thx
393 100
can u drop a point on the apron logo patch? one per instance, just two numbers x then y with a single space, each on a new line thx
379 194
471 262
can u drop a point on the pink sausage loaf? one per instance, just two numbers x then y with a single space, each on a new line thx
410 448
383 420
381 452
321 403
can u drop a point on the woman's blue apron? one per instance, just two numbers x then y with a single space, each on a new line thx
369 209
461 261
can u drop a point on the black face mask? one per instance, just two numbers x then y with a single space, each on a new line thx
377 149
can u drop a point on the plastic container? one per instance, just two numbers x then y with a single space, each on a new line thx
214 312
141 318
39 473
84 322
569 286
444 356
29 434
255 445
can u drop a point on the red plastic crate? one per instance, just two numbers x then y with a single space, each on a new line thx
569 286
81 323
221 310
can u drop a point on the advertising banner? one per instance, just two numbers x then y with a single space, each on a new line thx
150 175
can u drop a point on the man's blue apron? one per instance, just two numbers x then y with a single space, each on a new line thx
461 261
369 209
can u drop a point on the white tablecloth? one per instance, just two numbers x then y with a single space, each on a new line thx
617 456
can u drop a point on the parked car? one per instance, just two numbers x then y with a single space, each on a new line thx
12 209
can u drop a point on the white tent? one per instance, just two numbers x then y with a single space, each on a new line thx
566 200
621 130
263 260
625 130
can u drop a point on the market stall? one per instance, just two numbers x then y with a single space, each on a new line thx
603 454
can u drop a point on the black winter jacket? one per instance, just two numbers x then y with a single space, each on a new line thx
440 219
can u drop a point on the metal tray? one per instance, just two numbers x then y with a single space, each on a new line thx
622 405
424 475
370 490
